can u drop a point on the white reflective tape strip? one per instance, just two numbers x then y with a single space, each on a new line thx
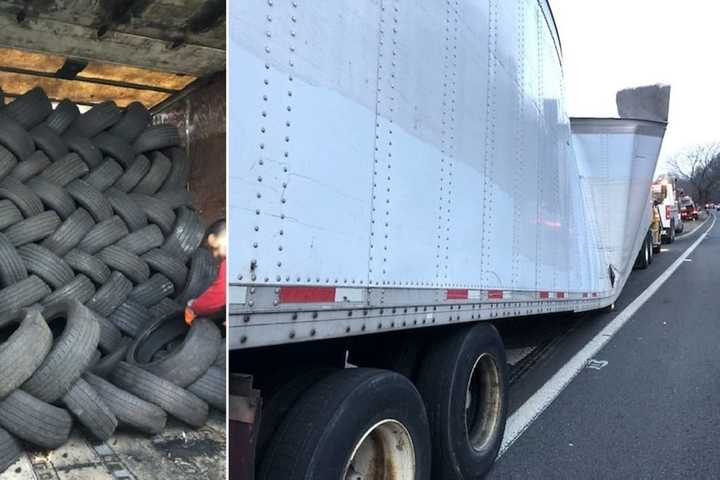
507 294
238 294
474 294
348 294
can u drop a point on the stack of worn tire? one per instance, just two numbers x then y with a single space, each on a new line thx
100 250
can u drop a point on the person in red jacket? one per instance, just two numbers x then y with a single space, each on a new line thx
214 299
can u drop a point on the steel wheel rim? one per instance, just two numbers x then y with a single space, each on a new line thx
384 452
483 403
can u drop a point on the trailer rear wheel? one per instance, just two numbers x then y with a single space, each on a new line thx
462 381
356 423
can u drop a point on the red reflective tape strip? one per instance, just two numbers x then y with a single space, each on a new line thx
307 294
560 295
457 294
544 294
495 294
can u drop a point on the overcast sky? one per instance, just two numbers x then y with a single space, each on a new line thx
612 44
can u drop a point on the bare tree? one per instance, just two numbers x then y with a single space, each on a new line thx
699 168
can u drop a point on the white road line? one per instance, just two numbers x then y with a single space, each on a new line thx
541 400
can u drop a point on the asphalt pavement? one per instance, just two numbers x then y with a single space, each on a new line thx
648 405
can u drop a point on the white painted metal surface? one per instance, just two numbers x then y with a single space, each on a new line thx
421 152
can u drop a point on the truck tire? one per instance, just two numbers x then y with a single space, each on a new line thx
127 209
91 199
129 410
162 262
103 235
64 171
211 388
84 148
105 175
651 250
10 450
155 177
110 295
375 412
133 174
131 318
643 258
35 421
202 273
65 113
176 198
150 292
100 117
81 289
132 123
24 350
47 140
71 353
70 233
33 229
91 410
15 138
31 166
184 363
25 199
467 365
12 268
9 214
142 240
187 234
175 400
127 263
89 265
52 196
45 264
179 172
22 294
157 211
157 137
115 147
7 162
30 108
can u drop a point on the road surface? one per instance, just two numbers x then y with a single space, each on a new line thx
647 404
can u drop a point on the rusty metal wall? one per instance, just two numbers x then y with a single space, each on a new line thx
201 119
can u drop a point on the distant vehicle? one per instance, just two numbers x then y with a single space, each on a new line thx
688 209
665 195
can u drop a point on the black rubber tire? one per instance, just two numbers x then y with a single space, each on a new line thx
9 214
7 162
110 295
47 140
31 166
211 388
157 211
12 268
65 113
155 177
103 234
30 108
22 349
157 137
22 294
127 209
10 450
175 198
115 147
110 337
162 262
129 264
52 196
134 120
100 117
176 401
91 410
220 361
177 178
187 234
66 170
104 175
187 361
166 308
443 382
130 410
108 361
133 174
15 138
71 353
70 233
89 265
25 199
91 199
35 421
150 292
318 435
33 229
81 289
40 261
131 318
203 271
142 240
82 146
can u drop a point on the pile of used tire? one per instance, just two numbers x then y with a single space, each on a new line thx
99 251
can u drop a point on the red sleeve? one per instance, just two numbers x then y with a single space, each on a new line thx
214 298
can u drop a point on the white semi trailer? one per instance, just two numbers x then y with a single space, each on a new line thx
402 173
